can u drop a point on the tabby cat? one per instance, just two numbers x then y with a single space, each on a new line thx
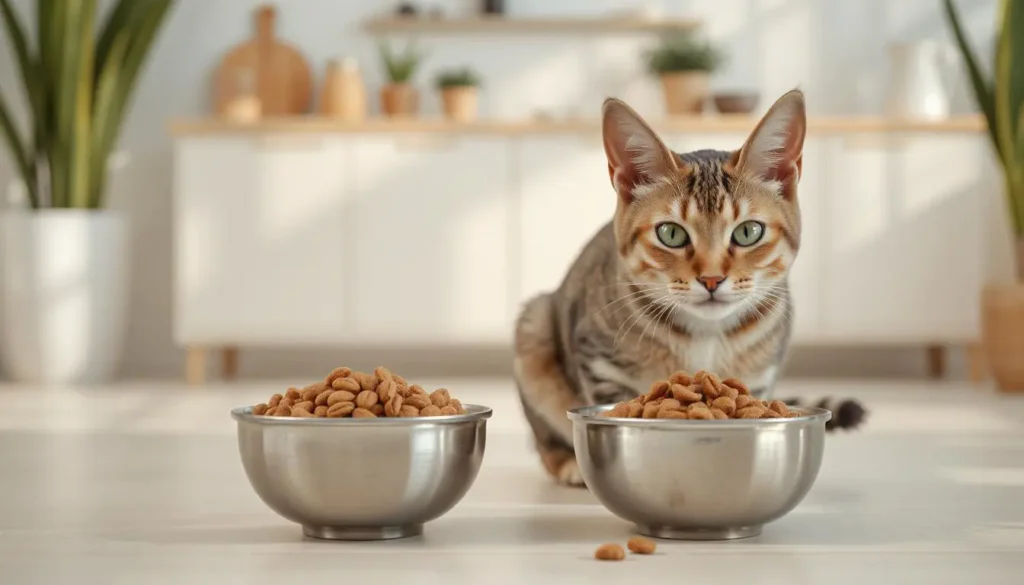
690 274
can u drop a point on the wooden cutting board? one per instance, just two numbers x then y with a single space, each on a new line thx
278 72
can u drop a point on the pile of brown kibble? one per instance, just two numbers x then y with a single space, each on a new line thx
702 396
347 393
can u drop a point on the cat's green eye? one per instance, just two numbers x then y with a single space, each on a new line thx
748 233
672 235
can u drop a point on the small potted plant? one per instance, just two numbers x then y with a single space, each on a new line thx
399 97
1001 101
459 88
684 63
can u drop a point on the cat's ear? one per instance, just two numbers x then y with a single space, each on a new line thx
774 151
636 156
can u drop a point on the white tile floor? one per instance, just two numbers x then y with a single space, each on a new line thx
142 482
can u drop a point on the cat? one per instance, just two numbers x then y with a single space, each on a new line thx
690 274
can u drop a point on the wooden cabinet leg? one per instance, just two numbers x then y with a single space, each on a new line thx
936 361
229 362
976 365
195 365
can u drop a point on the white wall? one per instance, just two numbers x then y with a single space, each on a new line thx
834 49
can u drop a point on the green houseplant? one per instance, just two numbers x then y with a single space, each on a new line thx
459 89
1000 97
399 97
684 63
77 80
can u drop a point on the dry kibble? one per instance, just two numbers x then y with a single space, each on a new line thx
340 396
725 404
386 390
321 398
348 393
417 400
681 378
658 390
703 396
651 410
641 545
440 398
750 412
347 384
744 400
734 383
609 552
779 407
340 409
382 373
366 399
336 373
394 406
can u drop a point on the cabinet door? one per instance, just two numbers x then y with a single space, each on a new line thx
565 197
260 239
430 230
905 229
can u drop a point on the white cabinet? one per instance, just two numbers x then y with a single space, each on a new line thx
430 234
565 197
905 226
260 239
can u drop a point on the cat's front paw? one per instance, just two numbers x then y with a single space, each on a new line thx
569 474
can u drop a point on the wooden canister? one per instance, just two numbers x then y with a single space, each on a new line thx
343 95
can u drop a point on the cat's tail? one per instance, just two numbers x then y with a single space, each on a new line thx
847 414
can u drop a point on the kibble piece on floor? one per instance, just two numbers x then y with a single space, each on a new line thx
609 552
641 545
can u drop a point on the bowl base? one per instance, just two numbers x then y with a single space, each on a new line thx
671 533
362 532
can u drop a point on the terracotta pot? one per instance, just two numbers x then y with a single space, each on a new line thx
685 92
399 99
1003 334
460 103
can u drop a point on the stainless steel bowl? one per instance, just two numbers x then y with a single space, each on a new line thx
362 479
699 480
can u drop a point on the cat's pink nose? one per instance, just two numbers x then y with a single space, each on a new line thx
710 282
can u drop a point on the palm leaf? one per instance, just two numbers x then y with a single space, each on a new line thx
141 39
83 43
29 75
122 16
983 90
18 151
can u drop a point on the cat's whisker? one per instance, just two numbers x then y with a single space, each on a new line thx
656 319
629 296
653 305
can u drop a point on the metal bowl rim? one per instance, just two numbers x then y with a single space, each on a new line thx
588 415
474 412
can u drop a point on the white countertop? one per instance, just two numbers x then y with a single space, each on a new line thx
141 481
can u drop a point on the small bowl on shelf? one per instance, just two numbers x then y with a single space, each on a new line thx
735 102
362 478
699 479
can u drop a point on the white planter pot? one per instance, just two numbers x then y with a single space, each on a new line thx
64 293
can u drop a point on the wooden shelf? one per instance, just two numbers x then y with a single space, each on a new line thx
512 25
707 123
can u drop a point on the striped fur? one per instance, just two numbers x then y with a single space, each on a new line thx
632 310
